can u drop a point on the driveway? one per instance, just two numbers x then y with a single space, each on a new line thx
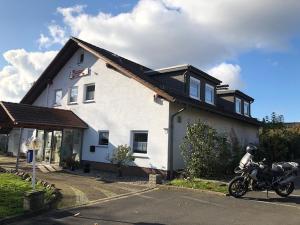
174 207
78 188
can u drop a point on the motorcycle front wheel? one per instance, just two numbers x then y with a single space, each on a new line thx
285 190
238 187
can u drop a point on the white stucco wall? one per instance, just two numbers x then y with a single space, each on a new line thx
246 133
121 106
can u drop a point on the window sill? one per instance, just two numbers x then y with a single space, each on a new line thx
102 146
140 155
72 103
196 98
89 101
210 103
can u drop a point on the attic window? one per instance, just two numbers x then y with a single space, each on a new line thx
209 94
194 88
81 57
238 105
246 108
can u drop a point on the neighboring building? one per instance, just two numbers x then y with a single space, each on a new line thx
109 100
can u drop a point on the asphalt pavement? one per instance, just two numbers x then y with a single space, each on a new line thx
180 207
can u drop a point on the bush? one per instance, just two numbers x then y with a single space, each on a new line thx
121 157
205 152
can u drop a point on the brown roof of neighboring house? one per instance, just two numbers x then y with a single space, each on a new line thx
29 116
126 67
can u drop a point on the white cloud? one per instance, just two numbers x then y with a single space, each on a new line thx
57 36
229 74
160 33
22 70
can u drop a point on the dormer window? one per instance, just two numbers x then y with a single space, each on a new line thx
209 94
194 88
246 108
238 105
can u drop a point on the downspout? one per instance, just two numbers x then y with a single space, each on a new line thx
170 150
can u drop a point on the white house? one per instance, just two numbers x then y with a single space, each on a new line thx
89 100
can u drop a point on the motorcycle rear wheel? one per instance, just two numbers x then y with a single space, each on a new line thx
285 190
238 187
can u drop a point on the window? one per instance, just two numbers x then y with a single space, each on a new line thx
140 140
209 94
246 109
194 88
73 94
81 58
89 92
58 97
238 105
103 138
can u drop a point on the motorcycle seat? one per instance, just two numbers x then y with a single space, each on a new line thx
283 166
277 168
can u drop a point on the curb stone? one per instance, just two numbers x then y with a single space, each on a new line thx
171 187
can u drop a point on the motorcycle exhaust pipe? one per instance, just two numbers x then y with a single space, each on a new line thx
287 180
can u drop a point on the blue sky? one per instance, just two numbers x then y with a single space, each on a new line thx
258 46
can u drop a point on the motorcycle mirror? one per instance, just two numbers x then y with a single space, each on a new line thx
264 160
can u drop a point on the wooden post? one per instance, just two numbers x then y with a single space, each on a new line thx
19 149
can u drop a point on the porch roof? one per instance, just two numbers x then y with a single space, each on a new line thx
29 116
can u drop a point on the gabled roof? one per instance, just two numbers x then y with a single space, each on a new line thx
29 116
124 66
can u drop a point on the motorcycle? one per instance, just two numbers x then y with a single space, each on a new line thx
260 177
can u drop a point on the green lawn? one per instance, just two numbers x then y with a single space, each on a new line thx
201 184
12 189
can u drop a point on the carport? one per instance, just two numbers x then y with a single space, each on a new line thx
55 127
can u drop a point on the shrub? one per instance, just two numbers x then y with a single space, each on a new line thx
121 157
205 152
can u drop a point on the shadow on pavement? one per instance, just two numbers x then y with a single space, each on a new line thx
291 199
117 221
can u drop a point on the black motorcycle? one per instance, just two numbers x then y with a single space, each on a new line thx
260 177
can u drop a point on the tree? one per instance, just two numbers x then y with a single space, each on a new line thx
277 141
205 152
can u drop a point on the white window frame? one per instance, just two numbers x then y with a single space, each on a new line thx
55 103
133 132
199 90
213 94
103 131
247 107
85 91
240 103
70 92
